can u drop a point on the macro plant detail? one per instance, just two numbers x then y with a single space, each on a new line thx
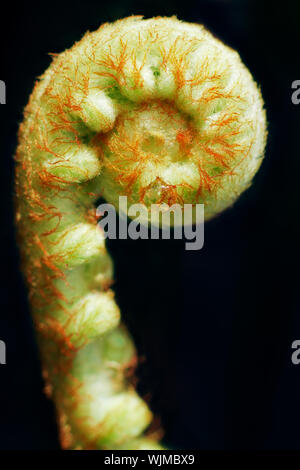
160 111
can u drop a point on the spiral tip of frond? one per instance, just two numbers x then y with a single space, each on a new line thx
159 111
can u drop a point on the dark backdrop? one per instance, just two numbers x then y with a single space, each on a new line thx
214 326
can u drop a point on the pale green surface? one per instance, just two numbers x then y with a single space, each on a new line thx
139 107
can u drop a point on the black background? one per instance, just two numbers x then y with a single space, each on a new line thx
215 326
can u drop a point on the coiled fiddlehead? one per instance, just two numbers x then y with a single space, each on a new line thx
157 110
